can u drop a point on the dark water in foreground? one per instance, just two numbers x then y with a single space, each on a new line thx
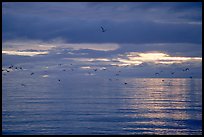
91 105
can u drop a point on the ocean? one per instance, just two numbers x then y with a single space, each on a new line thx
49 104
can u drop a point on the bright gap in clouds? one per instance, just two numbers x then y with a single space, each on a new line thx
137 58
33 48
25 53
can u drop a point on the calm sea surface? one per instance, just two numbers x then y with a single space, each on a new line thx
91 105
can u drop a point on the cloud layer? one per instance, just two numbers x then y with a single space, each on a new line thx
144 34
125 22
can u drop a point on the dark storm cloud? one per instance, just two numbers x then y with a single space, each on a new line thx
126 23
34 20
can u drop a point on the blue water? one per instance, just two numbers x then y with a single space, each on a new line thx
94 105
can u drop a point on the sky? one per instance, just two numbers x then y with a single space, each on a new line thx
143 36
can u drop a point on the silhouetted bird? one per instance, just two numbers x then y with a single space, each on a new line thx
125 83
187 69
156 73
21 68
23 85
7 71
190 77
172 73
11 66
58 79
64 70
16 68
32 73
103 30
95 69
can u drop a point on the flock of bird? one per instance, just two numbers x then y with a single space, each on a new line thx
117 74
11 67
186 69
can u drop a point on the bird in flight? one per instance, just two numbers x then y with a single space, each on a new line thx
103 30
172 73
23 85
187 69
11 66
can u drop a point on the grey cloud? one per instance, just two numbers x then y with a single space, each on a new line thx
75 31
118 11
174 49
126 23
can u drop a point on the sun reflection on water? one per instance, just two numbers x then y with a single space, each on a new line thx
159 102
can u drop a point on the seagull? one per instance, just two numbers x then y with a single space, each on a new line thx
103 30
23 85
186 69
